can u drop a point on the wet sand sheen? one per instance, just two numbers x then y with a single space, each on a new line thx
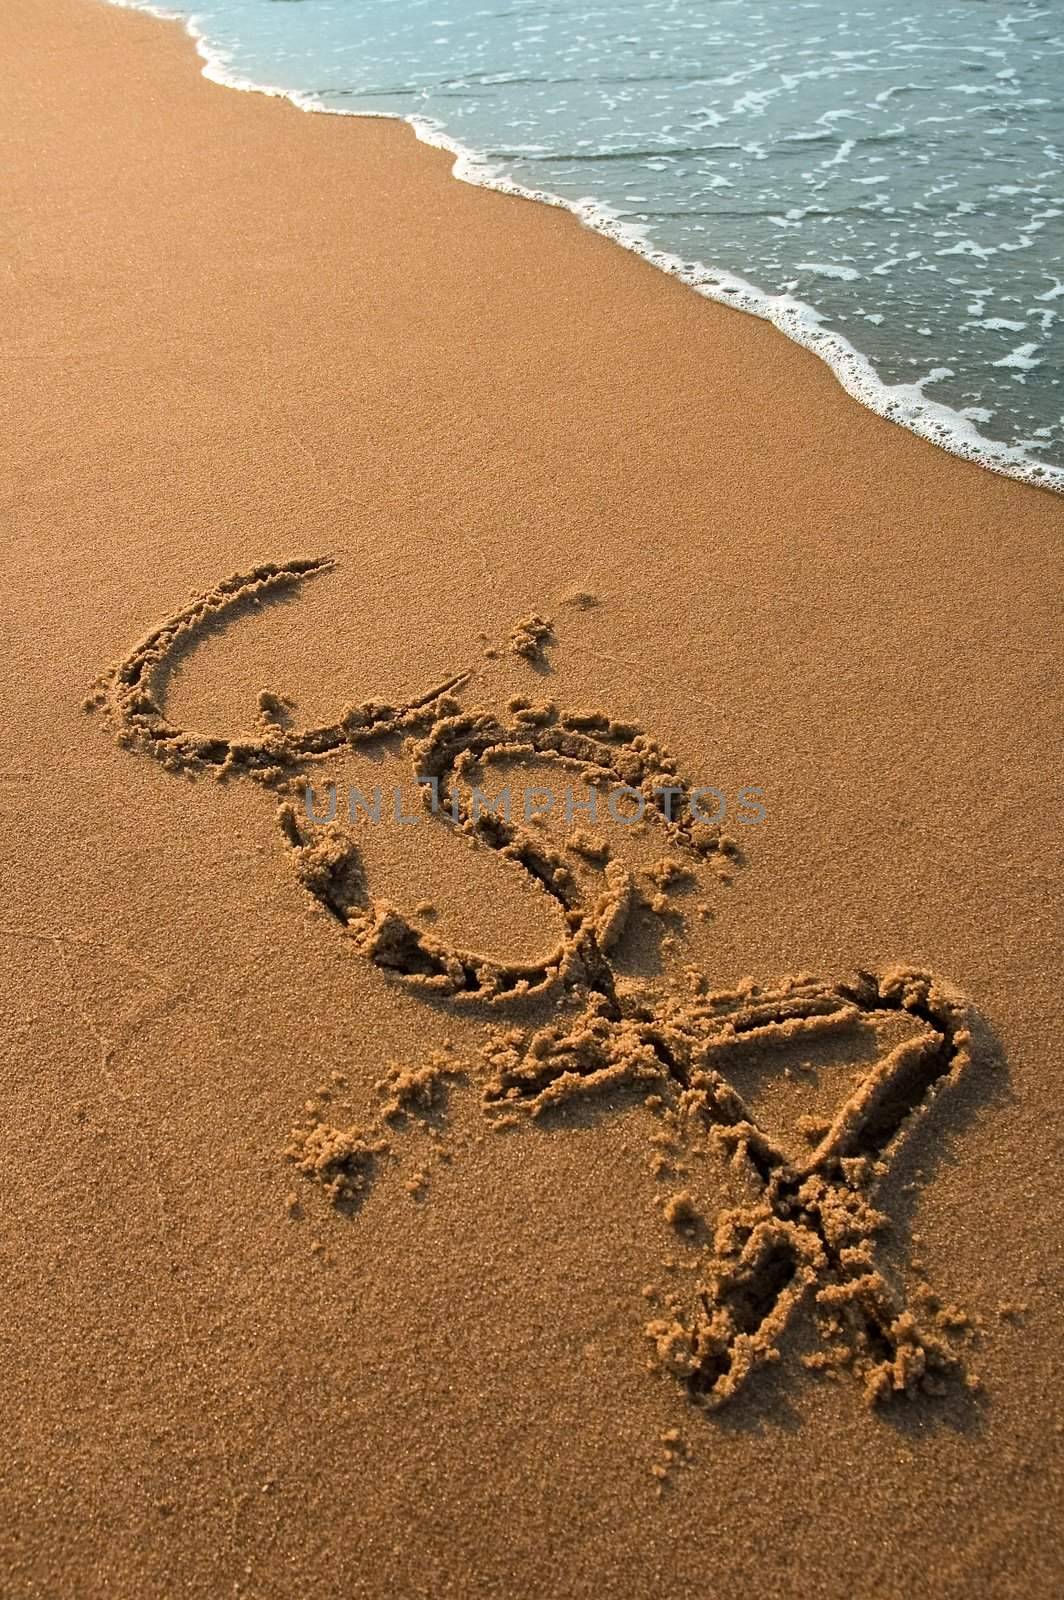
333 1240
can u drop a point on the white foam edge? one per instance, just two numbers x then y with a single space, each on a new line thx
903 403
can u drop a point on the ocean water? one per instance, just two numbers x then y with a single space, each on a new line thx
884 182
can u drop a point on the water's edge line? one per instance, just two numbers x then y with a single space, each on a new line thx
902 403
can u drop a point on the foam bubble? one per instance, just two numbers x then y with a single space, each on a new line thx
827 269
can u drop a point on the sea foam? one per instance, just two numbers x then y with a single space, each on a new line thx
953 429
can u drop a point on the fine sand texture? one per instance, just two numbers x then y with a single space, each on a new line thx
454 1206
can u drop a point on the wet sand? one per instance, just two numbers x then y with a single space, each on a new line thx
344 1173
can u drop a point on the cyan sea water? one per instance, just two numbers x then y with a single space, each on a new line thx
884 181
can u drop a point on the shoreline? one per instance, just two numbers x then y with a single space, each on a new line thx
351 1208
901 403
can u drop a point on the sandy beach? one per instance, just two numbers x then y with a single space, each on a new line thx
361 1185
